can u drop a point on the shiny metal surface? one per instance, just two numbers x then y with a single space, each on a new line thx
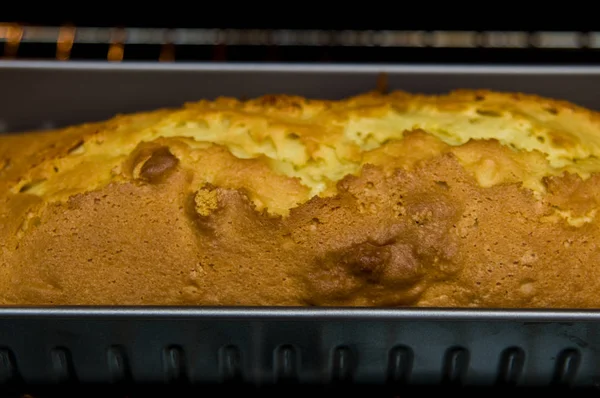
49 94
296 313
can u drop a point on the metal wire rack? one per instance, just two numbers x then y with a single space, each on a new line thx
119 44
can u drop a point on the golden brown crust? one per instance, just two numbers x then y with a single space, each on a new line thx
474 198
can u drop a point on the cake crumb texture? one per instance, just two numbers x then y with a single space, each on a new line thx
466 199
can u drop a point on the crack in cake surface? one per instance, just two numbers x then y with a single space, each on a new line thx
320 142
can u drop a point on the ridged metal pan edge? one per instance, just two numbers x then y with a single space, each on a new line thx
311 346
274 345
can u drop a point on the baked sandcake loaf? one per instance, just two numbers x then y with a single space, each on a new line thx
467 199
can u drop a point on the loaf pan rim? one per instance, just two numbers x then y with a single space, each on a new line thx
306 313
309 313
271 67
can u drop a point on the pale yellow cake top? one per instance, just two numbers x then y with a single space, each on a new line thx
315 141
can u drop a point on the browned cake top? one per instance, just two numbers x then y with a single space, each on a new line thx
470 198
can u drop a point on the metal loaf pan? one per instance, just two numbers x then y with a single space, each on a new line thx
267 346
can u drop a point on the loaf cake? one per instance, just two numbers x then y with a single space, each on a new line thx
463 199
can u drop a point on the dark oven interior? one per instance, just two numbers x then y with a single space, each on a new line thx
352 37
223 38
